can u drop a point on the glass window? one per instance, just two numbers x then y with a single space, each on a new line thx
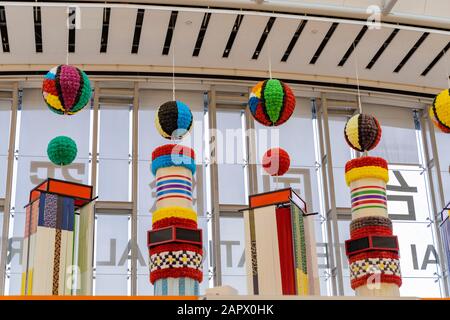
114 150
112 251
443 148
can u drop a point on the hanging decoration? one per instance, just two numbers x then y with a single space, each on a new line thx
62 150
173 120
276 162
271 102
66 89
440 111
362 132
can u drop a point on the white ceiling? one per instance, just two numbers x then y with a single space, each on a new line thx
122 23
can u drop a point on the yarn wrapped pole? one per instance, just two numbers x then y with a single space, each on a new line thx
175 242
372 251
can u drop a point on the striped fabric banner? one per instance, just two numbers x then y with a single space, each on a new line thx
368 197
173 186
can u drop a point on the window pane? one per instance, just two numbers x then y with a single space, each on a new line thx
112 253
114 145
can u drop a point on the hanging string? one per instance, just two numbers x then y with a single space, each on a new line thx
173 71
270 57
357 79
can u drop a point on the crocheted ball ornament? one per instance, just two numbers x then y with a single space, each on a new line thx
62 150
440 111
173 120
276 162
271 102
66 89
173 155
362 132
366 167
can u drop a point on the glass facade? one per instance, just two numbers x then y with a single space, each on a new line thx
408 190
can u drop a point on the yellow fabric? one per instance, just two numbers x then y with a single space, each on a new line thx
174 212
22 286
54 102
442 105
158 127
366 172
256 91
30 283
351 131
302 283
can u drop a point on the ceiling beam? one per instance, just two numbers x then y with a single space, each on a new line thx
388 6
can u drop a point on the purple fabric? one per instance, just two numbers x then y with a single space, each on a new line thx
69 80
173 186
368 197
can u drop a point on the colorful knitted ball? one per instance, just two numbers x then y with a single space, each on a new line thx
362 132
276 162
440 111
271 102
62 150
66 89
173 120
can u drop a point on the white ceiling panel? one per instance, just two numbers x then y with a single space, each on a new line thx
153 33
184 38
121 31
54 34
216 37
87 37
20 33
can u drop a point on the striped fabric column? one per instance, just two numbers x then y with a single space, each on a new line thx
372 250
48 247
175 267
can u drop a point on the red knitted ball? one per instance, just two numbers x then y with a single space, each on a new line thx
276 161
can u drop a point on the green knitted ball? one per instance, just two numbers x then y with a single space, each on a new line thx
62 150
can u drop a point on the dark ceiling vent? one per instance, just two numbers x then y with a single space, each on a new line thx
232 37
411 51
4 30
263 38
72 26
201 34
37 28
294 39
324 43
105 30
169 34
137 30
382 48
352 47
436 59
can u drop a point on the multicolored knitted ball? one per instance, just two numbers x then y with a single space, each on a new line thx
66 89
440 111
276 162
173 120
362 132
62 150
271 102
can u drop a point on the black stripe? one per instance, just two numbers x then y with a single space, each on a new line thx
352 47
4 30
232 37
382 48
436 59
72 26
105 30
359 134
294 39
58 86
169 34
324 43
137 30
411 51
37 19
263 38
201 34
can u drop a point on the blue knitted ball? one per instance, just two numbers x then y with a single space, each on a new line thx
173 120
